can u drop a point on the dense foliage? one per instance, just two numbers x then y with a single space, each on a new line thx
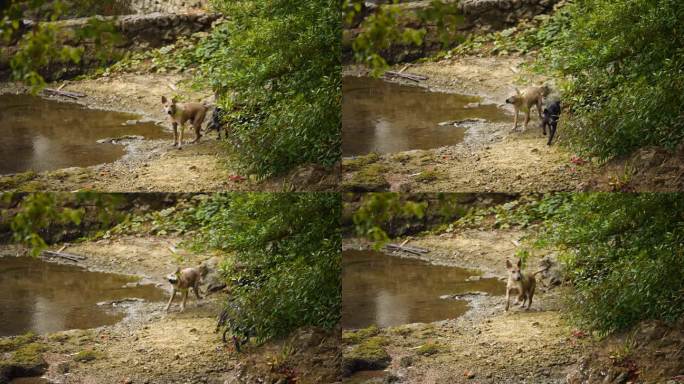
378 210
624 65
286 266
33 219
624 255
42 48
275 66
379 31
390 26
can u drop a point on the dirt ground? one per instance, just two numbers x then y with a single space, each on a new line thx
490 345
152 346
492 156
154 165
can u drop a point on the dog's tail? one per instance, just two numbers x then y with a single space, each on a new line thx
540 271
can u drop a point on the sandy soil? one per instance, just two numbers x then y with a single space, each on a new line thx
152 346
154 165
492 156
490 345
487 344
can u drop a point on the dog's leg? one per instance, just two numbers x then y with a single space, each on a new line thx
173 294
515 119
175 134
196 289
529 298
508 298
180 143
198 134
539 106
552 131
197 124
527 118
185 297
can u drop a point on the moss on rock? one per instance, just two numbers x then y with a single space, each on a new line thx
356 163
369 355
21 356
368 179
357 336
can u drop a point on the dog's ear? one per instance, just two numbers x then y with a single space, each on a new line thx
517 91
519 263
164 100
174 100
508 264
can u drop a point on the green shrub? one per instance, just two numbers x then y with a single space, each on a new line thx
287 245
624 255
623 62
276 67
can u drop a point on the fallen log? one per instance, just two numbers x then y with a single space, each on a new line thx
409 76
406 248
57 92
64 255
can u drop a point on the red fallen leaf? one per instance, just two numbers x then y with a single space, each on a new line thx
578 160
579 334
236 178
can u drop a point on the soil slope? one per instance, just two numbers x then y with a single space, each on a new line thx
155 165
152 346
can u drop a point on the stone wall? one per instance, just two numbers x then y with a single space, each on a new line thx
167 6
138 32
500 14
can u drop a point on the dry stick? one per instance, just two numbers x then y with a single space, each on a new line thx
414 250
62 255
416 78
71 95
404 250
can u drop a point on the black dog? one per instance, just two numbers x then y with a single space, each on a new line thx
550 117
216 122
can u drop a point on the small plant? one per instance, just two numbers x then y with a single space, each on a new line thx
429 349
87 355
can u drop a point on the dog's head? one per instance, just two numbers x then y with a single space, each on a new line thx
174 277
203 270
552 111
513 99
170 106
546 90
514 270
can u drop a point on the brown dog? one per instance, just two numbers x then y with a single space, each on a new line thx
182 113
522 283
525 100
184 279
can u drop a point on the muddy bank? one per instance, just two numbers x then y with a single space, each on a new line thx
486 344
154 165
152 346
489 345
492 157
